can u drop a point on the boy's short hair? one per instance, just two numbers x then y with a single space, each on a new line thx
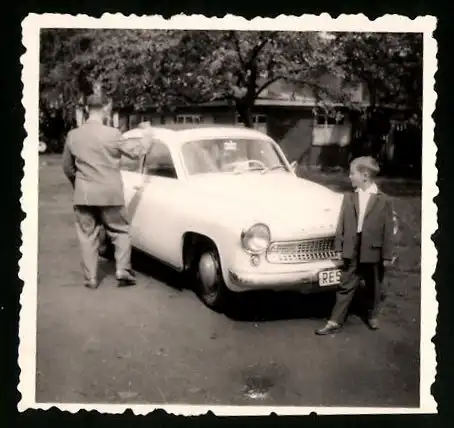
366 164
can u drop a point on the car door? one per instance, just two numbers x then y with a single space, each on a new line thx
132 177
154 208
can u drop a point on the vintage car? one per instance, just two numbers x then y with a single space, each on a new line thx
224 206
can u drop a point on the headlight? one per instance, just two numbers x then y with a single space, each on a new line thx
256 239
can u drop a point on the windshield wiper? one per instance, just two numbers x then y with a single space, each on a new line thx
273 168
250 168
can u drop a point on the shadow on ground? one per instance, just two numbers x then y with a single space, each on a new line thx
151 267
264 306
256 306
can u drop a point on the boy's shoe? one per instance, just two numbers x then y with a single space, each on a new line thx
330 328
126 279
373 323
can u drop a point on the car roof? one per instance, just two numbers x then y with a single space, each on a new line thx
177 133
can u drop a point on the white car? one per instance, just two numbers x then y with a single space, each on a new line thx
224 206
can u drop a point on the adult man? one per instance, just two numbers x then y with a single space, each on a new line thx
91 159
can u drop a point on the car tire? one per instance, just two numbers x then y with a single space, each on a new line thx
209 283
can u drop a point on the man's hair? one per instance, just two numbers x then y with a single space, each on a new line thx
366 164
144 125
95 102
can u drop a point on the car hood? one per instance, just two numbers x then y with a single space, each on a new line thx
289 205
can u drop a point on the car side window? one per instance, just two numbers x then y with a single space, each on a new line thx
159 162
128 164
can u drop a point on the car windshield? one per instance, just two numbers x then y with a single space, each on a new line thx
237 155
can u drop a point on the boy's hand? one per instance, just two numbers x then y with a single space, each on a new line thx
389 263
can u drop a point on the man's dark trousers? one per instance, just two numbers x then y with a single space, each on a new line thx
353 272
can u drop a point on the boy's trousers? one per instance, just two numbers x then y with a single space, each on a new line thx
353 272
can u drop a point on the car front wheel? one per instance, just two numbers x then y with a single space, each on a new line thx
211 288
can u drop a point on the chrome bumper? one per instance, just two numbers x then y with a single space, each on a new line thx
305 279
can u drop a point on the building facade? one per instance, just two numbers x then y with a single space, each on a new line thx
292 115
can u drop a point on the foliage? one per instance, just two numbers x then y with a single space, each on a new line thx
389 64
239 65
390 67
138 68
73 60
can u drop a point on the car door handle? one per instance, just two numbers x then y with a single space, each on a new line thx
136 187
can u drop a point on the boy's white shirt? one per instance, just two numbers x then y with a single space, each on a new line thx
363 198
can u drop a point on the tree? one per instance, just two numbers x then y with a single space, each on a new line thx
73 61
390 66
142 67
128 65
139 68
65 57
238 66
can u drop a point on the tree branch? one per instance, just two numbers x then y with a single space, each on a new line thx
256 50
252 82
236 42
319 88
268 83
187 98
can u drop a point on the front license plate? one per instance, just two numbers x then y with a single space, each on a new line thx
329 277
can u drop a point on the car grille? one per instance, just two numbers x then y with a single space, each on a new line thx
307 250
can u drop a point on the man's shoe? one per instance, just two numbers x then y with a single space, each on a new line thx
330 328
92 285
373 323
126 279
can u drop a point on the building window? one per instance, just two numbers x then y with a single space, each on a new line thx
134 120
257 119
330 128
146 118
189 118
324 119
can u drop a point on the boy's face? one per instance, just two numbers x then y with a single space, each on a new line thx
357 178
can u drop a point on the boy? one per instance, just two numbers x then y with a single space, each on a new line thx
364 237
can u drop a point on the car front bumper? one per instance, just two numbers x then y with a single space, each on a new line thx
303 278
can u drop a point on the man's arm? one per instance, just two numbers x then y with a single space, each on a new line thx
388 233
339 240
69 165
133 148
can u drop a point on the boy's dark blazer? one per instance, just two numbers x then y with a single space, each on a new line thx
377 231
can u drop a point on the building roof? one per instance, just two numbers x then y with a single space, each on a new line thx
182 133
290 94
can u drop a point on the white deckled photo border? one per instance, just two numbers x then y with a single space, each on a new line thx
28 265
